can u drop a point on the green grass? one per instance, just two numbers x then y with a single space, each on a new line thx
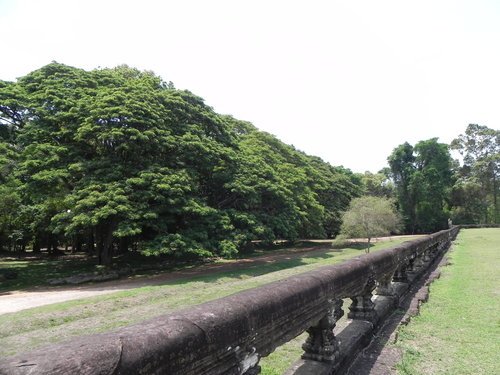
283 357
35 327
37 272
458 330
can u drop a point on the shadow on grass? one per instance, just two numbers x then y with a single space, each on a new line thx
37 272
353 246
247 270
261 267
214 273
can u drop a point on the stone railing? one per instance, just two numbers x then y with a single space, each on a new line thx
230 335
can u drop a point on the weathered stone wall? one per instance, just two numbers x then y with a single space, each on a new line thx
230 335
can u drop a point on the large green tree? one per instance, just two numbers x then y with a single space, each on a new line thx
111 160
402 167
11 121
476 192
423 179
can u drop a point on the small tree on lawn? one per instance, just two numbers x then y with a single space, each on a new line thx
369 217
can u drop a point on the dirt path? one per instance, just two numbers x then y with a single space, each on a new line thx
20 300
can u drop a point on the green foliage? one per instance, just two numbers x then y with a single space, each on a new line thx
377 185
117 159
476 191
370 217
10 200
423 179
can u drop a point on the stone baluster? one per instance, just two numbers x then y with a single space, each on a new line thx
412 268
442 245
428 256
418 264
249 362
322 345
400 276
362 306
385 287
434 250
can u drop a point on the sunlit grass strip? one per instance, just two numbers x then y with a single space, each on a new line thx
458 330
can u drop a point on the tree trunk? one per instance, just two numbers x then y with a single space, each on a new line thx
91 244
99 245
50 245
105 243
123 245
107 247
77 245
36 245
55 246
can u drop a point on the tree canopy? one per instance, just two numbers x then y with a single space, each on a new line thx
112 160
116 160
476 191
369 217
423 179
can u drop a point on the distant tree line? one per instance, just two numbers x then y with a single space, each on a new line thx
115 160
112 160
430 187
476 186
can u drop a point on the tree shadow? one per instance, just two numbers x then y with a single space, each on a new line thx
212 273
33 275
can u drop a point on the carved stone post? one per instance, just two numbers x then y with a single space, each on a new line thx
322 345
418 264
362 306
400 276
442 245
249 362
434 250
385 288
427 258
412 268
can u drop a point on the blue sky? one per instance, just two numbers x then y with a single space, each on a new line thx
345 80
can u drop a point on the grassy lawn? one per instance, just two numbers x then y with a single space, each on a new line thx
458 330
37 272
35 327
283 357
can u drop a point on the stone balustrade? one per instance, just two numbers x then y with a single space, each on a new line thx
230 335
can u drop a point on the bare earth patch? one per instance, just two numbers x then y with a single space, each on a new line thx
21 300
